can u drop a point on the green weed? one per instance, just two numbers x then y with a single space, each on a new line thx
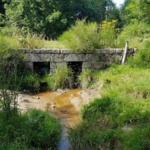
82 37
136 34
33 130
85 78
120 116
62 78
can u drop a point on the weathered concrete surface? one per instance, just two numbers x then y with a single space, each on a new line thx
101 59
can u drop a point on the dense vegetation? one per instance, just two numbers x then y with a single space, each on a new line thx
117 120
51 17
120 118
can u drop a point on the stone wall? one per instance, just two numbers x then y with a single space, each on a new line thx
101 59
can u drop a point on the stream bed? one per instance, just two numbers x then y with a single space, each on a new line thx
64 104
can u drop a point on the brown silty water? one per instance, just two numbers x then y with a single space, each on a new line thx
61 107
64 110
65 105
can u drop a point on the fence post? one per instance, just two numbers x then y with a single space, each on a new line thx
125 53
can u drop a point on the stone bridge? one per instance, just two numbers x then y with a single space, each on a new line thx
50 59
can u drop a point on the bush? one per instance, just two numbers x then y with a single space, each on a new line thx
31 41
62 78
120 118
15 38
135 33
33 130
141 59
30 81
43 130
7 43
82 37
108 34
87 37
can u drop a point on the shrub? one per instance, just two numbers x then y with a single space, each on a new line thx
82 37
86 37
7 43
43 130
134 33
15 38
33 130
108 34
31 40
30 81
141 59
62 78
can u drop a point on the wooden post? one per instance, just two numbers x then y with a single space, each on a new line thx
125 53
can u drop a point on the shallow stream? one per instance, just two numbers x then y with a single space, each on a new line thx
64 104
64 110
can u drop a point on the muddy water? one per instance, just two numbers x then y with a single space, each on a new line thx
65 105
62 108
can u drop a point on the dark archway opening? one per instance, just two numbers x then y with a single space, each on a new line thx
76 68
41 68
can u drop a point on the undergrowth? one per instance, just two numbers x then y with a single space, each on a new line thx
120 118
61 78
33 130
15 38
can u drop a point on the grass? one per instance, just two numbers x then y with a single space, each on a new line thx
137 34
33 130
61 78
85 78
120 118
82 37
14 38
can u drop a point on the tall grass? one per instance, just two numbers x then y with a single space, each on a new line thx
61 78
33 130
120 118
16 38
85 78
136 34
142 58
82 37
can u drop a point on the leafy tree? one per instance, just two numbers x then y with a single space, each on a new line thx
113 13
42 16
136 11
52 17
96 10
92 10
2 10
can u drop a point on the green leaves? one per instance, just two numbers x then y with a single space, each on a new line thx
51 17
137 11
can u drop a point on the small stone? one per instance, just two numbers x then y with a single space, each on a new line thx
54 106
